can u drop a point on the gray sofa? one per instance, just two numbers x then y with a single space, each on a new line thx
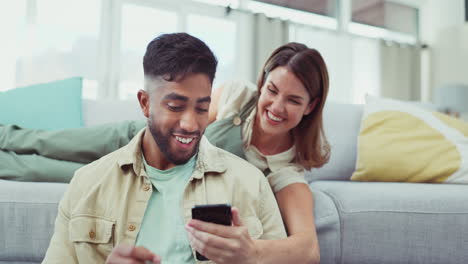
357 222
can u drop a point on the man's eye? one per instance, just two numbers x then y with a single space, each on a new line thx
175 108
202 110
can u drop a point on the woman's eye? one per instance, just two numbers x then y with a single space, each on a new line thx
272 91
294 102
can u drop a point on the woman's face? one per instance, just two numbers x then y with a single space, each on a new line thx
283 102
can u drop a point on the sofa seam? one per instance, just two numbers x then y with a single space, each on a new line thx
403 212
337 204
15 202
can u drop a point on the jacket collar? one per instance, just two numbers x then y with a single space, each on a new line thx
209 157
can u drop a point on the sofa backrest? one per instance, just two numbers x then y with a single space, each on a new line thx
97 112
341 124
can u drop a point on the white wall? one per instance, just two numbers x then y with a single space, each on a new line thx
443 28
450 56
437 15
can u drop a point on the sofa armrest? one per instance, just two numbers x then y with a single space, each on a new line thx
396 222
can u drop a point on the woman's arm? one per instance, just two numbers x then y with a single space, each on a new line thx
301 246
232 244
215 96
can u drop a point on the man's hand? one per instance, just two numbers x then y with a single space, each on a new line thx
223 244
123 254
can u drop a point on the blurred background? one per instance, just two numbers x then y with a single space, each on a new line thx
411 50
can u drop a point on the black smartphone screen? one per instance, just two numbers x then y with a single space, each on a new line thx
213 213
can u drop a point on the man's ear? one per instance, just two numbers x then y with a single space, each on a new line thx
311 106
143 99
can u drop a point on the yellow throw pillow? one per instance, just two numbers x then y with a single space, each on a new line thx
401 142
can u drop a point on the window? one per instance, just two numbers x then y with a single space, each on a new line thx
140 25
55 39
60 43
220 35
231 3
320 13
321 7
384 19
13 25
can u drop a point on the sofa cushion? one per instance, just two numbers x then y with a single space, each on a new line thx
401 142
396 222
53 105
27 216
341 125
98 112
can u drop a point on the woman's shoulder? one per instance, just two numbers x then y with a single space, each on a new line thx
288 174
234 96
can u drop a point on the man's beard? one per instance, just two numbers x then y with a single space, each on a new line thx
163 142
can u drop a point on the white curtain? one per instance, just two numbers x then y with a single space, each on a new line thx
365 68
336 50
269 34
400 71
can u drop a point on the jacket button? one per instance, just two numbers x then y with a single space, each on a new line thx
146 187
131 227
237 121
92 235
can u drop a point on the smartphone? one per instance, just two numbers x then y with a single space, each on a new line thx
213 213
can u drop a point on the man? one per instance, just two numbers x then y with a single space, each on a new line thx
134 205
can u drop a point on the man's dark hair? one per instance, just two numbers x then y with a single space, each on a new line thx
174 56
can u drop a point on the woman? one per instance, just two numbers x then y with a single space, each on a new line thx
277 126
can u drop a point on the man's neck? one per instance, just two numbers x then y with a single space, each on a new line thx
153 155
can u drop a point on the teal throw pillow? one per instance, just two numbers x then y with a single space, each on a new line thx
50 106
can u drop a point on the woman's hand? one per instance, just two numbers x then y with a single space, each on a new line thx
223 244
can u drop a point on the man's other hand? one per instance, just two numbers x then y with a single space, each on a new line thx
123 254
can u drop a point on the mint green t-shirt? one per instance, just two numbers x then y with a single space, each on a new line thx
162 230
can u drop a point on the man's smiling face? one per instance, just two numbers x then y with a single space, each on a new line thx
178 115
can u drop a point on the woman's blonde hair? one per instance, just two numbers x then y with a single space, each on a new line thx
312 147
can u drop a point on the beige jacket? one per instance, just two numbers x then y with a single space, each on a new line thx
106 200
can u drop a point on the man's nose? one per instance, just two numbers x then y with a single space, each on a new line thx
188 122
